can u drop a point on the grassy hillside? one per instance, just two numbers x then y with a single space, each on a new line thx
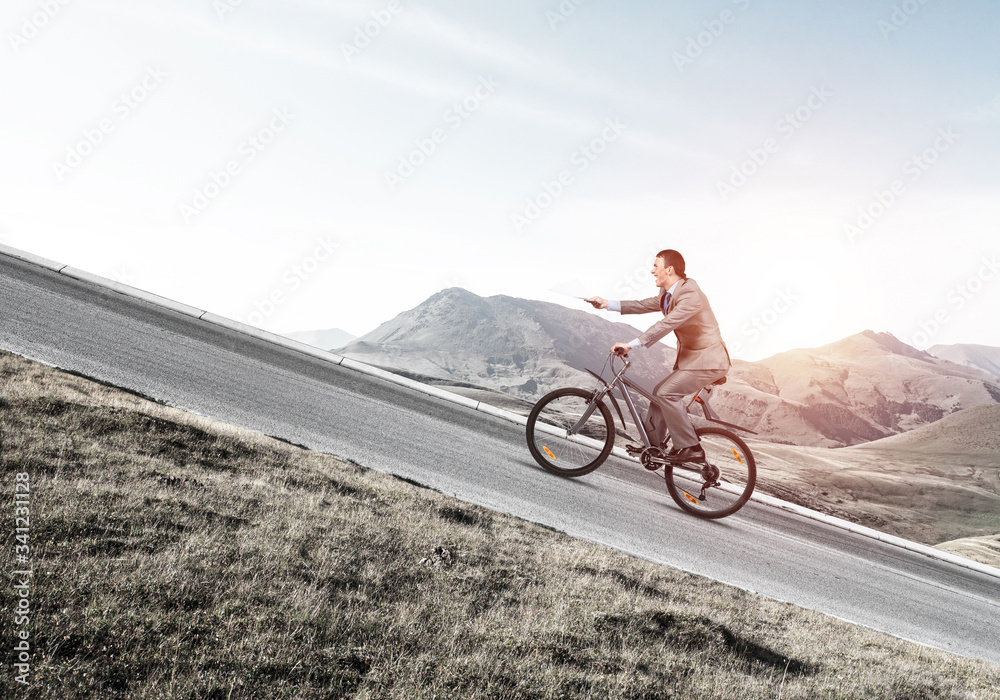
922 496
175 556
982 549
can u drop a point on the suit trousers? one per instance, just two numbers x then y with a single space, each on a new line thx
671 416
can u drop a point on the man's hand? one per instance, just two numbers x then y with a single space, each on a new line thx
597 302
621 349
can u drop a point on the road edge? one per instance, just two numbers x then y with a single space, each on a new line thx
237 326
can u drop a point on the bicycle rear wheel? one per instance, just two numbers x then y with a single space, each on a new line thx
567 434
723 485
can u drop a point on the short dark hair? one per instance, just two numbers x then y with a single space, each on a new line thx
672 257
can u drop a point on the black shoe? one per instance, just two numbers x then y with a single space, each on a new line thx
694 453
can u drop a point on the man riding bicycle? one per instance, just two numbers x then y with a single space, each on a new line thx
702 357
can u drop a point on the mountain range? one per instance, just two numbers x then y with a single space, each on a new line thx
983 357
861 388
858 389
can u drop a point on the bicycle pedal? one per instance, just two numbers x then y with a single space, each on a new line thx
634 450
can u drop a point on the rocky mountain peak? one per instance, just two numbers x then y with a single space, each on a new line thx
894 345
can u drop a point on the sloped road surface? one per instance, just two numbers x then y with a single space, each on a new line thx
214 371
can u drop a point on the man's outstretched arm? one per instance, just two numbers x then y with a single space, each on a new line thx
602 303
643 306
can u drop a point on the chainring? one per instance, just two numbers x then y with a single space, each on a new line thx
648 455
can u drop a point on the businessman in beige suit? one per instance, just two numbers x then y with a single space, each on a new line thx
702 357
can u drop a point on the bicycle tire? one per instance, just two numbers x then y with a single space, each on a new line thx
728 452
551 446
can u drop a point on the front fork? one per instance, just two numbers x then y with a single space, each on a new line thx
591 407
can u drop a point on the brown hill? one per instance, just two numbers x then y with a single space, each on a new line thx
862 388
972 431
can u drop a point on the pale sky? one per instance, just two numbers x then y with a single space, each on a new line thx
349 159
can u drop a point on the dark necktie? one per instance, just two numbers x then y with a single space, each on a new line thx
666 300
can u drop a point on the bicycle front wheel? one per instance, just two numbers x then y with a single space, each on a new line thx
569 434
721 486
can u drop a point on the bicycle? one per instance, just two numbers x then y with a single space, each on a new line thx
571 432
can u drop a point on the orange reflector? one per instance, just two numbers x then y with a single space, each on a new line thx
736 455
691 498
548 452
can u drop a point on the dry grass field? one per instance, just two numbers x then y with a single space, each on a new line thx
921 496
175 556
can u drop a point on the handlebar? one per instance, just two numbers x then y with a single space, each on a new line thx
621 356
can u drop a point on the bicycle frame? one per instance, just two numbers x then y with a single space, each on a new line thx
712 483
623 384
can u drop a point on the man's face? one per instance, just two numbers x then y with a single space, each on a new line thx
662 273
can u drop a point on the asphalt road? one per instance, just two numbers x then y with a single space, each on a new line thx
201 367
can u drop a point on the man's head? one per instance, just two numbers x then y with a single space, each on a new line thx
668 268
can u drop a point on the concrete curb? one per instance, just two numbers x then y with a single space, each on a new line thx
437 392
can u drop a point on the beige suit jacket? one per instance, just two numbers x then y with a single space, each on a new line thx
689 316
